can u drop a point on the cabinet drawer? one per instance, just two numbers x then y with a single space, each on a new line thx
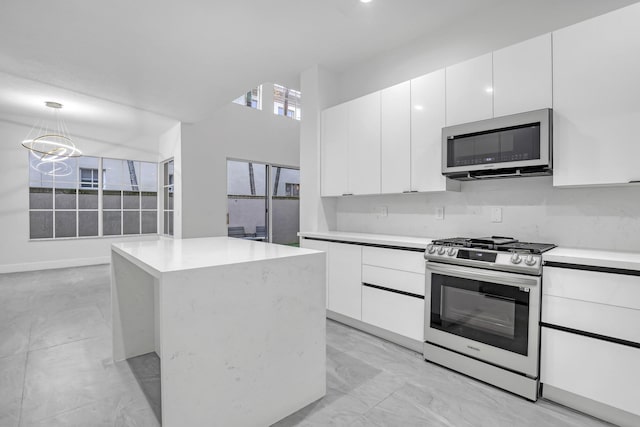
394 279
394 312
394 258
599 287
599 370
608 320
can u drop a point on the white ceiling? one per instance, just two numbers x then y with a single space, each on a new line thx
184 58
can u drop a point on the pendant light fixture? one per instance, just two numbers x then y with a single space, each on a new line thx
50 140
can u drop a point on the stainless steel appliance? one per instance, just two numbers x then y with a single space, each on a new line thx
507 146
482 309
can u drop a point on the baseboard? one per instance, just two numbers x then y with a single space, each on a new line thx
590 407
378 332
49 265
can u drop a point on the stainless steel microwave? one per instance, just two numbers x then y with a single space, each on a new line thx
507 146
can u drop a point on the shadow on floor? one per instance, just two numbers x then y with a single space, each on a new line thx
146 370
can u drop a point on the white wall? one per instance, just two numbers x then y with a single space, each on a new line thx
236 132
318 92
533 210
17 253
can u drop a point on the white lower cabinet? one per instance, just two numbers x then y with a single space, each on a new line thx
394 312
345 279
588 353
595 369
320 245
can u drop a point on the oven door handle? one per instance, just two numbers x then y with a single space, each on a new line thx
509 279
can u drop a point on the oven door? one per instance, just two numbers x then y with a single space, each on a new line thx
489 315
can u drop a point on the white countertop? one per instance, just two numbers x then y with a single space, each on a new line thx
166 255
375 239
594 257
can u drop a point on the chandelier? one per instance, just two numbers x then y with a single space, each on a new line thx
49 140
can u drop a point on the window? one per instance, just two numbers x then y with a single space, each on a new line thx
292 190
61 205
252 99
129 197
168 193
88 178
286 102
64 197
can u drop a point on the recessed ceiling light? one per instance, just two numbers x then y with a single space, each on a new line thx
418 107
489 89
365 1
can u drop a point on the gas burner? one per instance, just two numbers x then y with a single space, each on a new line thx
495 252
495 243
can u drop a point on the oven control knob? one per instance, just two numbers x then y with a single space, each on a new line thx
441 250
431 249
530 260
515 258
452 251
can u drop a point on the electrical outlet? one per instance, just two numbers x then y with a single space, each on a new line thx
496 214
440 212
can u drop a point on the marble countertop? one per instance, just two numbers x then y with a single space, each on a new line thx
594 257
375 239
166 255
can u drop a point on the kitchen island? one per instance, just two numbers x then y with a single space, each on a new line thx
239 326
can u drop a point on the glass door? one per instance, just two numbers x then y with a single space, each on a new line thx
247 200
285 205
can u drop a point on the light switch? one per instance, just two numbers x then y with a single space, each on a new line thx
440 212
496 214
382 211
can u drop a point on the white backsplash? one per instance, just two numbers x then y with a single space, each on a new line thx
532 210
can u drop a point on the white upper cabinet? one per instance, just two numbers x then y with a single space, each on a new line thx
469 90
334 151
596 99
522 77
396 138
364 145
427 121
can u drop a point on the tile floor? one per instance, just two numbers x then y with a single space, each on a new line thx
56 370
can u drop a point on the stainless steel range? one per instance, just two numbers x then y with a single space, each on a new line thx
482 309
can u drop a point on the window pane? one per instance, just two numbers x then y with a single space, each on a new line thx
66 173
66 224
40 173
131 222
246 179
41 225
170 223
131 199
149 222
149 200
87 199
40 198
113 174
131 179
65 199
88 223
111 200
148 176
111 223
